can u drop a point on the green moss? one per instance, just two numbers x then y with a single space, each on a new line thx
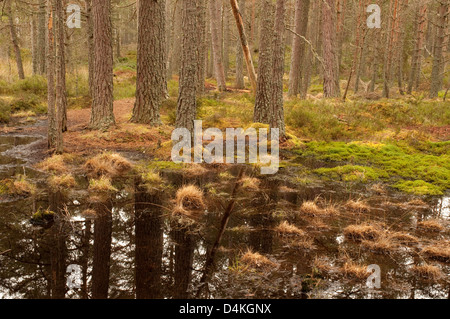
349 173
165 165
418 188
388 160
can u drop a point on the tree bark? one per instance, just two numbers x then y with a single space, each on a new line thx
90 44
298 46
186 106
51 68
419 25
15 40
239 83
202 48
151 57
102 116
217 45
438 69
331 87
263 100
277 115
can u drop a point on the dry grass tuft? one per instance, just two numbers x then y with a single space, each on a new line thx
357 206
417 202
362 232
251 184
89 213
107 164
311 208
322 264
54 164
62 182
431 225
257 261
287 229
353 270
22 186
404 238
382 245
189 201
427 271
439 251
379 189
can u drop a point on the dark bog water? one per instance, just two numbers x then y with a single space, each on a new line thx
127 245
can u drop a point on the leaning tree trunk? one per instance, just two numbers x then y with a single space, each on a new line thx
277 114
437 72
102 116
15 40
263 100
298 46
217 45
151 57
239 83
186 106
245 47
330 59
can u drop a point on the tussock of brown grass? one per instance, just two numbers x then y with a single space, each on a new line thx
257 261
21 186
287 229
189 201
404 238
427 271
381 245
251 184
107 164
357 206
53 164
65 181
318 223
322 264
353 270
431 225
362 232
417 202
439 251
311 208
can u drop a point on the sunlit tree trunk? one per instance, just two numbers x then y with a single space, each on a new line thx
151 57
331 86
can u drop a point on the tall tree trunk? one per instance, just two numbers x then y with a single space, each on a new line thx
331 87
151 57
437 73
217 45
90 44
14 40
419 26
390 40
263 100
313 34
41 41
202 48
298 46
245 47
51 69
61 97
34 48
239 83
186 106
226 39
277 114
102 116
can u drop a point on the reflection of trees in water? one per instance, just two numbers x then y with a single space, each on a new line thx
184 252
58 249
102 250
149 245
